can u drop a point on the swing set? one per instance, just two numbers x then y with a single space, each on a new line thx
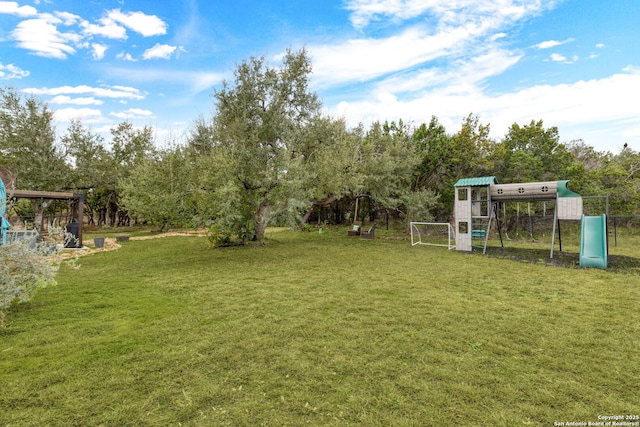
476 208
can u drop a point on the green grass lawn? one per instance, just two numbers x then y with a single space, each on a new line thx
321 329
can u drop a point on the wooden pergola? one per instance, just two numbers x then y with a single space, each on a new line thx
77 205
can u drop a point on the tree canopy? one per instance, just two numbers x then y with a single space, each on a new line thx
28 142
269 154
258 135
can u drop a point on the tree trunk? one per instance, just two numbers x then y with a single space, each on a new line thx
38 215
305 218
261 220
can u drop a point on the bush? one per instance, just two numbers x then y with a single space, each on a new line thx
22 271
215 237
220 236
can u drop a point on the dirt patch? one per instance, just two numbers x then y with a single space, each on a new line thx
110 244
169 234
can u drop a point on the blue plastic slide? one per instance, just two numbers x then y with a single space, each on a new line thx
593 241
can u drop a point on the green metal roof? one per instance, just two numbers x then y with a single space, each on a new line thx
476 182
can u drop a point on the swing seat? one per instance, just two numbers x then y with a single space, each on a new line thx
355 229
371 234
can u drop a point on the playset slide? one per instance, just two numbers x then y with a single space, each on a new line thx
593 241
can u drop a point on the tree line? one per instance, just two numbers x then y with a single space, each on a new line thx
268 154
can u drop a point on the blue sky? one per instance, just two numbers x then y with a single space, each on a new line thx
574 64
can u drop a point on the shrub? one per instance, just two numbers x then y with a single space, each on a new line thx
22 271
219 236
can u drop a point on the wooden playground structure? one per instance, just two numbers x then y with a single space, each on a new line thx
39 200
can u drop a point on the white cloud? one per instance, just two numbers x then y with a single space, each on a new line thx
41 36
125 88
600 45
552 43
444 12
359 60
115 92
462 76
98 50
115 23
159 51
10 71
126 57
64 99
448 30
442 69
12 8
133 113
67 18
106 28
201 81
41 33
594 110
86 115
632 132
141 23
197 81
556 57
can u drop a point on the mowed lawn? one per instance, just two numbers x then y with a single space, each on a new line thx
320 329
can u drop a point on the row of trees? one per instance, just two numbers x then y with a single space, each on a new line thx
80 161
268 153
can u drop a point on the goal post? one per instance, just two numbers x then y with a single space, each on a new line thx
433 234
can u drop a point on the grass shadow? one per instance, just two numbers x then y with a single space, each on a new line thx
535 256
616 263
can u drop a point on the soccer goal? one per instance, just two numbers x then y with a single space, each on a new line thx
433 233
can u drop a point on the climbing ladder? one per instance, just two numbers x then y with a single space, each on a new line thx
482 228
480 217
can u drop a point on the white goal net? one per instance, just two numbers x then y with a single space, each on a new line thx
433 233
